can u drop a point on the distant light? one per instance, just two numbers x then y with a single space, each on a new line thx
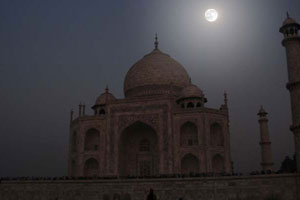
211 15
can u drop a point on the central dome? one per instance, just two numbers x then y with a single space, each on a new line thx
156 73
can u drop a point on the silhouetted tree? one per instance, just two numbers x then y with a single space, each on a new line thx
288 165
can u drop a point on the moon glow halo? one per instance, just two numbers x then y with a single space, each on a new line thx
211 15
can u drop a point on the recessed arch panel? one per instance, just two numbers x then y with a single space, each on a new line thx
218 164
138 150
189 164
91 141
216 135
188 134
91 167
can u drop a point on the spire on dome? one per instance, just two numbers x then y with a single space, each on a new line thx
262 112
106 89
156 42
225 98
287 15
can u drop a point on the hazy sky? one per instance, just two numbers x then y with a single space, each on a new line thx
54 54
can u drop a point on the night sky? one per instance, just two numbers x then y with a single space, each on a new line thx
56 54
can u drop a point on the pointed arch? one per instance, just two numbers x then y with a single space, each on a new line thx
136 122
190 105
188 134
138 150
218 164
216 135
102 112
91 167
189 164
91 141
292 31
73 168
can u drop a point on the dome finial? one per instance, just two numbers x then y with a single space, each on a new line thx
262 112
106 89
156 42
287 15
225 98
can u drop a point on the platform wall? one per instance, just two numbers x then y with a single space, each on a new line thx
281 187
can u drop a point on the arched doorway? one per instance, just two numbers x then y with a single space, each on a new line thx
216 135
189 164
91 167
91 141
218 164
138 151
188 134
73 168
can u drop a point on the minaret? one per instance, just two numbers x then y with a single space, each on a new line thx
291 42
83 109
265 143
225 107
156 42
80 110
225 100
71 116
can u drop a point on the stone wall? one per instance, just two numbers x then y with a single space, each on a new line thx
258 187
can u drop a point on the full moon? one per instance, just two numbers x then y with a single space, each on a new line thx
211 15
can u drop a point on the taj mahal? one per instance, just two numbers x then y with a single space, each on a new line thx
161 126
162 136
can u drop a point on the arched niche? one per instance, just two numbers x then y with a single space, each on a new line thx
138 150
188 134
190 105
91 167
189 164
91 141
218 164
73 168
216 135
101 111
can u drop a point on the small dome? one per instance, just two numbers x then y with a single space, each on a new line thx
105 98
289 21
192 91
154 74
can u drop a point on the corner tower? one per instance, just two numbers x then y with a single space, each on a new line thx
291 42
265 143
